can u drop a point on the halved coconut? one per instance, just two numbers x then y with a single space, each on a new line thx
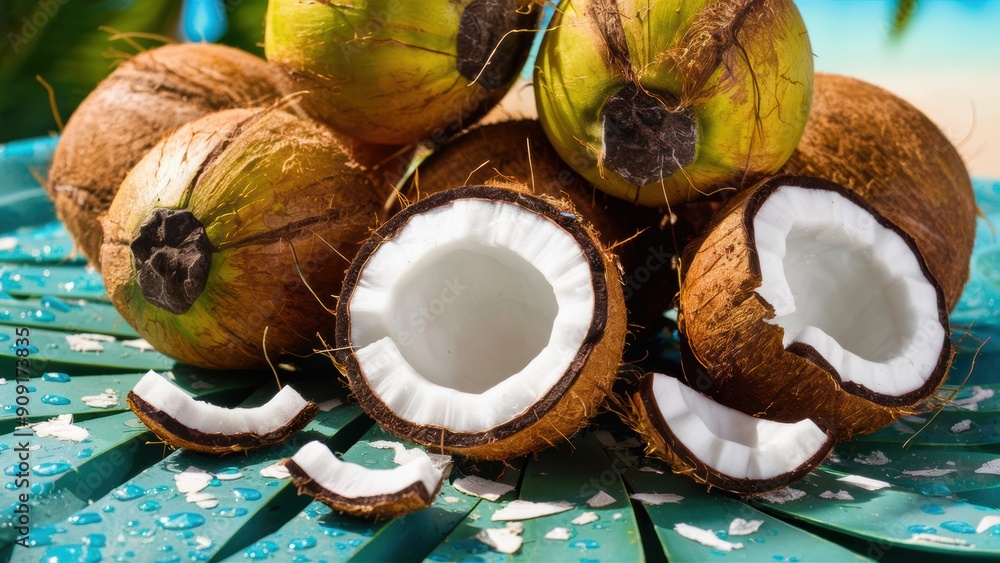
802 301
723 447
482 321
181 421
361 491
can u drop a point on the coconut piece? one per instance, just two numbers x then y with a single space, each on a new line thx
720 446
106 400
866 483
600 500
482 321
61 428
801 300
585 518
183 422
889 153
742 527
192 480
877 457
839 495
783 495
705 537
656 499
991 467
986 523
360 491
482 488
559 534
928 472
961 426
504 540
944 540
276 471
527 510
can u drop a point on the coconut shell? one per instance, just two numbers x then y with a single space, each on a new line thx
281 204
731 352
569 404
146 97
889 153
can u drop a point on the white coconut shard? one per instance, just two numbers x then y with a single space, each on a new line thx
558 534
934 538
327 406
875 458
781 496
991 467
928 472
504 540
961 426
986 523
203 500
276 471
354 481
166 397
60 428
656 499
839 495
741 527
585 518
600 500
192 480
84 343
106 400
139 344
979 394
731 442
850 288
482 488
471 314
526 510
705 537
866 483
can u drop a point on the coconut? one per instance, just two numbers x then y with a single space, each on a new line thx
131 110
888 152
664 102
397 73
482 321
802 300
723 447
228 235
361 491
182 422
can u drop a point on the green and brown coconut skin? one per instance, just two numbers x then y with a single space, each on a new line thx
889 153
565 408
731 352
397 72
664 103
146 97
224 231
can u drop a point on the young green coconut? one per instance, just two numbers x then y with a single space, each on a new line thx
397 72
146 97
225 238
483 321
664 102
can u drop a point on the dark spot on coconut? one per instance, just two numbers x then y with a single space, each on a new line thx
172 255
645 139
483 26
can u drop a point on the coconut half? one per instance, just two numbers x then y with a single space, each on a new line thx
361 491
183 422
723 447
802 301
482 321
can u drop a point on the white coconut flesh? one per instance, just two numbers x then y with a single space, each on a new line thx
353 481
849 287
731 442
470 314
169 399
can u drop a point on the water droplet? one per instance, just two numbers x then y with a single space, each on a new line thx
230 512
301 543
778 557
229 473
246 494
181 521
149 506
84 518
171 559
84 453
51 468
128 492
272 483
933 490
72 554
42 536
56 377
31 348
55 399
958 527
197 556
932 509
10 470
56 303
921 529
440 558
39 489
355 543
95 540
32 389
261 550
215 483
4 315
4 447
585 544
11 485
108 509
39 315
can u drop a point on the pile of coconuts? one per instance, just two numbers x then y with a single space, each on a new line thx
812 231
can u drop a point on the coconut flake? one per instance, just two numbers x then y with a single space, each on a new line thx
451 500
865 482
651 469
585 518
961 426
61 428
600 500
934 538
705 537
656 499
874 458
202 384
898 426
559 534
192 480
228 476
915 419
139 344
327 406
203 500
276 471
3 381
839 495
928 472
986 523
781 496
504 540
8 243
482 488
84 343
991 467
979 394
106 400
741 527
526 510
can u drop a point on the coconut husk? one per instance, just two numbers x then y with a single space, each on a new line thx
280 204
568 405
732 354
889 153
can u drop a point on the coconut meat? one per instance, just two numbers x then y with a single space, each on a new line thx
169 399
850 288
353 481
471 313
731 442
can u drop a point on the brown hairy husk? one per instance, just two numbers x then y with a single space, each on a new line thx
888 152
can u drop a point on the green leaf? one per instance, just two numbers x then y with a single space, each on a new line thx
49 351
63 314
65 282
46 244
931 471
